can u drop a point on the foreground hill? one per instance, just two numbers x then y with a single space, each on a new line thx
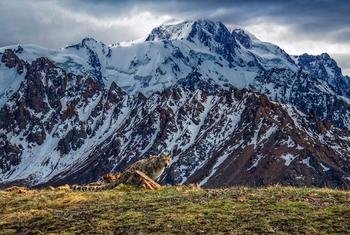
282 210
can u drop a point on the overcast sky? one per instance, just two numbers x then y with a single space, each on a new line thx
298 26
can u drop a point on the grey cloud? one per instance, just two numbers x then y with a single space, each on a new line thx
44 23
326 18
312 17
330 14
344 61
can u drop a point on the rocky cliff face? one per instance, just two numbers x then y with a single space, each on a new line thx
229 108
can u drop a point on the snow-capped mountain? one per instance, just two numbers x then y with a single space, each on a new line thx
230 108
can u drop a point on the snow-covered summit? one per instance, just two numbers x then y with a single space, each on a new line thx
325 68
322 66
187 30
171 31
243 37
173 51
213 35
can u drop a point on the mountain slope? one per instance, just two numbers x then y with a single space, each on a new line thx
230 109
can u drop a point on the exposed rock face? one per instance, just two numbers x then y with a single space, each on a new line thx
227 115
10 60
250 141
11 152
308 94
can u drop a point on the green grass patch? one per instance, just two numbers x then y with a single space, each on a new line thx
238 210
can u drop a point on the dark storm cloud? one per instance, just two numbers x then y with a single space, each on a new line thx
56 23
329 18
326 18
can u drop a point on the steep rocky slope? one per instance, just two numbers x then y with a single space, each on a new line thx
230 109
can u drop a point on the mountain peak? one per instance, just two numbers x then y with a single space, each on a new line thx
243 32
185 30
202 32
242 37
321 66
87 42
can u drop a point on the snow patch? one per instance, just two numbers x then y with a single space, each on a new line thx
256 162
324 167
288 158
306 162
219 161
